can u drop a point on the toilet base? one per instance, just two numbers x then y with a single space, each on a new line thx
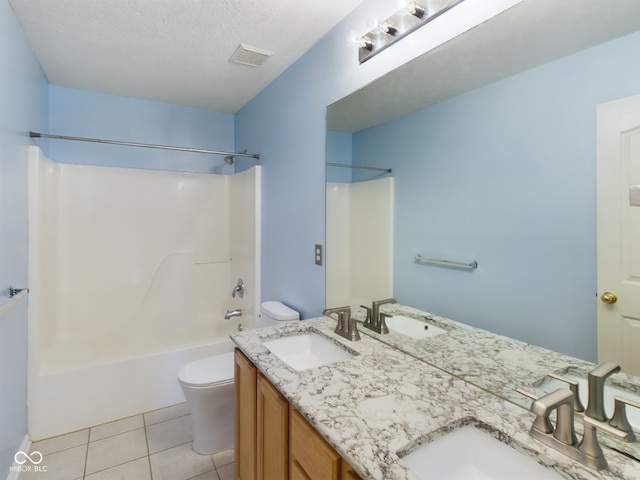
212 415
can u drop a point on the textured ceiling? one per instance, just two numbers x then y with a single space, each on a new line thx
173 51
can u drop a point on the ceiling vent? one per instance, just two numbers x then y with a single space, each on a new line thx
248 55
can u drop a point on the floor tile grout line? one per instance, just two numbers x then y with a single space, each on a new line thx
114 466
146 438
86 458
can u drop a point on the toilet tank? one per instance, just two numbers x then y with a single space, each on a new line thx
272 313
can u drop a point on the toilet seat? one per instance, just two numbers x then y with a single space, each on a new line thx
208 372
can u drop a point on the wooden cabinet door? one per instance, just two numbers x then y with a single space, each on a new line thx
309 452
348 473
273 432
245 374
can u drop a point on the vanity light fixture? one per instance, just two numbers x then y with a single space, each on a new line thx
409 18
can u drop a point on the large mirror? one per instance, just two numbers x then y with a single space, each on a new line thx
491 142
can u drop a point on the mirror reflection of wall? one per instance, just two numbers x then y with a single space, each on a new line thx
359 230
505 175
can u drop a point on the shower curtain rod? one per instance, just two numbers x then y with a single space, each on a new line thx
145 145
345 165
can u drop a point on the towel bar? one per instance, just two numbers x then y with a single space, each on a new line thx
420 258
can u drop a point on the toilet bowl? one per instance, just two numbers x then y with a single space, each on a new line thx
208 386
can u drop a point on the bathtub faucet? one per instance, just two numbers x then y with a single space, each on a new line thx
233 313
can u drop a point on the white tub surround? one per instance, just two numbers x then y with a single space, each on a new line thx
381 403
130 274
359 264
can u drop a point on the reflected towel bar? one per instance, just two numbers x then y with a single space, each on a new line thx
420 258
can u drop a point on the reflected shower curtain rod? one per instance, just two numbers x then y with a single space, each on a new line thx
345 165
145 145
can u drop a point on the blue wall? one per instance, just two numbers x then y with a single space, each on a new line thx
286 124
23 106
506 175
94 115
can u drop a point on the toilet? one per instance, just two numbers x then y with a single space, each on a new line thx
273 313
208 387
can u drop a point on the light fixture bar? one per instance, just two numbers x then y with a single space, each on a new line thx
398 26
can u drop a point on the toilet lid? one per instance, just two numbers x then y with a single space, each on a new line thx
208 371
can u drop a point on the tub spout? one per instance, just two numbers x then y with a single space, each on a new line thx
233 313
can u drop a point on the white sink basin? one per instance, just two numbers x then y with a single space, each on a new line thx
633 414
306 350
412 327
470 453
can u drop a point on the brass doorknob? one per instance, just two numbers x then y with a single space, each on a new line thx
609 298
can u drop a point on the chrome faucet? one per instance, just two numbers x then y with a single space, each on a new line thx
597 377
375 319
346 326
233 313
563 437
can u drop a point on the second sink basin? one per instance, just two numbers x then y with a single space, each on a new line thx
469 452
306 350
412 327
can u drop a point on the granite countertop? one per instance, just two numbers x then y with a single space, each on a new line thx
491 361
381 403
496 363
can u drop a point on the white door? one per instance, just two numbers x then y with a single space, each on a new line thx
619 233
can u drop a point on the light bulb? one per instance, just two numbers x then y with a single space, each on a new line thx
389 29
360 41
412 8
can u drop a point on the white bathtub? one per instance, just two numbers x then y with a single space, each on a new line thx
130 274
72 399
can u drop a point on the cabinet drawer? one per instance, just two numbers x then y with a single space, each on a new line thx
310 451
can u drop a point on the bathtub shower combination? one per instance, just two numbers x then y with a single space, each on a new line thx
130 274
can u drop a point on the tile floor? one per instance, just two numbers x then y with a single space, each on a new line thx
152 446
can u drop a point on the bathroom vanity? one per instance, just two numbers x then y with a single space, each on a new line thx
364 415
273 440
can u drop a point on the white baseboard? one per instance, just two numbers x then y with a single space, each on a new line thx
14 472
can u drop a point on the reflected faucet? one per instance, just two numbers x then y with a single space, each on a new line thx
375 321
233 313
597 377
